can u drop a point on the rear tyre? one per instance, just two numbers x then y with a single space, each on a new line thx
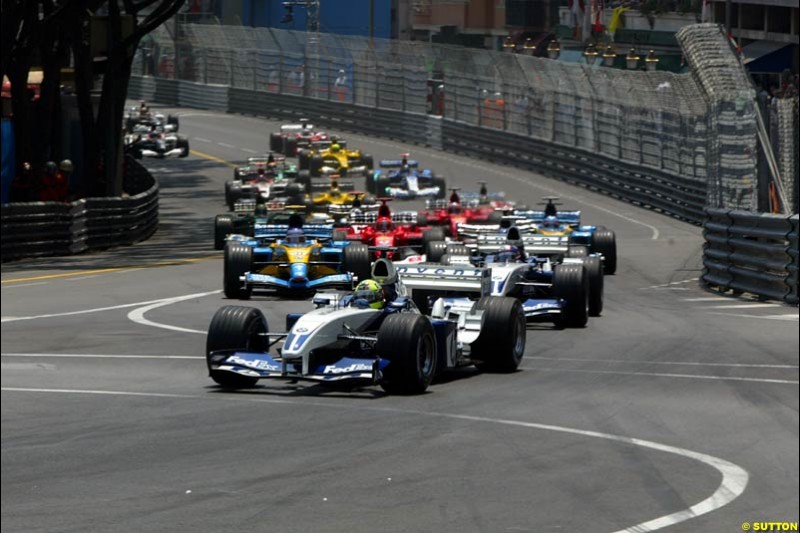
238 261
501 344
457 249
407 341
433 234
495 217
368 160
183 145
570 284
233 194
381 185
275 142
439 182
355 260
434 250
290 146
577 251
422 219
315 165
235 328
302 159
594 273
223 226
605 242
304 180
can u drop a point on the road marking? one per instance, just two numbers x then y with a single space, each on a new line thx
669 363
98 356
110 270
137 315
709 299
210 157
26 284
668 375
784 318
740 306
101 309
248 150
671 284
202 140
226 145
733 483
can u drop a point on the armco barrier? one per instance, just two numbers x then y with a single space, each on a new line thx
751 252
34 229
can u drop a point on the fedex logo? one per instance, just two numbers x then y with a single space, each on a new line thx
355 367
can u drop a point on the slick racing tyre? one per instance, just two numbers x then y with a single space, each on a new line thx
577 251
368 161
355 260
275 142
434 250
501 344
433 234
233 193
223 226
605 242
304 180
439 182
290 146
407 341
238 261
594 273
570 284
235 328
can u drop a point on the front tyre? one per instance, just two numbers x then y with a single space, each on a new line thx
355 259
223 226
235 328
571 285
605 242
238 261
407 341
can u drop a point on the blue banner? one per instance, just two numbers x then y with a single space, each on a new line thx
7 160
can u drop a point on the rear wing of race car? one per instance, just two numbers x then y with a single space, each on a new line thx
470 196
398 163
573 218
346 210
322 186
533 244
446 279
245 205
278 231
398 217
476 230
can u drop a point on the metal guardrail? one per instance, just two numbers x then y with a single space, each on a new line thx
36 229
751 252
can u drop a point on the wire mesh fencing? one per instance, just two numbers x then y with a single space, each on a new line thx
698 126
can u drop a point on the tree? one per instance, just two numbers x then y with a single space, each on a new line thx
53 34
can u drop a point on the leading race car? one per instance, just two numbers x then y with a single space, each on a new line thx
294 137
142 116
291 259
375 335
404 180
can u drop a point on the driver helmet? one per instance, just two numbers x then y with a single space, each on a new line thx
510 253
335 147
551 223
295 236
369 291
454 208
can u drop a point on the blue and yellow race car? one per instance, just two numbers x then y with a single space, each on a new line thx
292 259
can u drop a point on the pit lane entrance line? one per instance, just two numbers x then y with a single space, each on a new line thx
734 478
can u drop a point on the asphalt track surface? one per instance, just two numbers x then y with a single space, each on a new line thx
675 410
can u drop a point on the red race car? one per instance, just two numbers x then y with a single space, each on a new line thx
293 137
389 235
480 208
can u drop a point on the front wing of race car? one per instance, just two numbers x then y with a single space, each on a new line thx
265 365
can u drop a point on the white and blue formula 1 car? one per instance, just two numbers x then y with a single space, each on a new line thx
403 180
397 347
553 279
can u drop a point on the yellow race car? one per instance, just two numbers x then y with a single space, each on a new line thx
335 159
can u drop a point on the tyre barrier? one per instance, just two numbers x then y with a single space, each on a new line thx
751 252
37 229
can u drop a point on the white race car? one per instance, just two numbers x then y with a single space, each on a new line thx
397 347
